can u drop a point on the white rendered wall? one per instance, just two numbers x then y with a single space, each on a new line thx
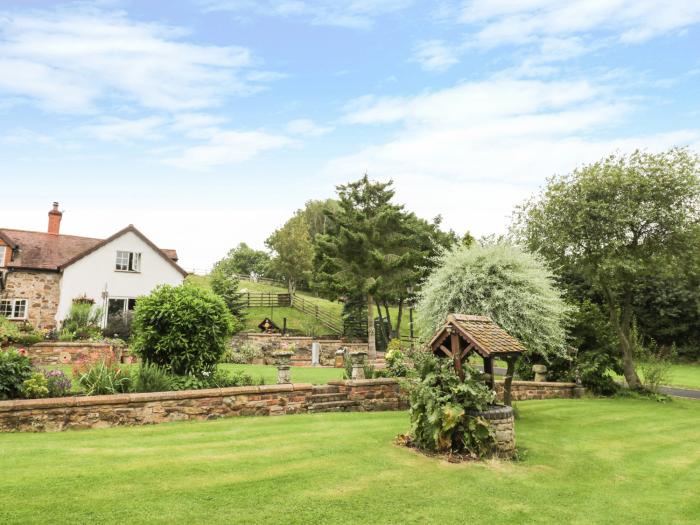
93 273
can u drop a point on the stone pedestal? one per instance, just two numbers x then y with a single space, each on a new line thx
339 358
502 423
540 373
284 374
358 365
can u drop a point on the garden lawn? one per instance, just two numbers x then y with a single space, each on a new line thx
680 375
586 461
300 374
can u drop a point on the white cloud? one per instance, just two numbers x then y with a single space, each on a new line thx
472 152
435 55
522 21
356 14
225 147
307 127
73 60
126 130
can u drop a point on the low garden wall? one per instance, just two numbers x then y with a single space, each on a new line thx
55 414
270 343
65 353
524 390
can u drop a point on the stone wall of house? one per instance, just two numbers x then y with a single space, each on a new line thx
41 289
524 390
270 343
66 353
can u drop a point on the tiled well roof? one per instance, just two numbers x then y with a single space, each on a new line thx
487 337
45 251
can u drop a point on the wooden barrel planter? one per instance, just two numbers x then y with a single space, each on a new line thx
502 422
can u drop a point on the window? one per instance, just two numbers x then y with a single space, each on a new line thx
120 306
13 308
3 250
128 262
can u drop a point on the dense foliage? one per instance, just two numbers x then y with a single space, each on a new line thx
15 369
617 227
18 333
226 284
244 260
82 322
503 282
182 328
293 251
443 409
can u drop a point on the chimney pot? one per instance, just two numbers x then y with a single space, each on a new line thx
55 220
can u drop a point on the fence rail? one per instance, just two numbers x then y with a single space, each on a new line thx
265 299
323 317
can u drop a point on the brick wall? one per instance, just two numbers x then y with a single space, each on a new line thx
524 390
65 353
41 289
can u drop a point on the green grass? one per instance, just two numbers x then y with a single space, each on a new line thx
681 375
587 461
300 374
315 375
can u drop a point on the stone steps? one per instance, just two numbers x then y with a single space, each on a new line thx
328 398
332 406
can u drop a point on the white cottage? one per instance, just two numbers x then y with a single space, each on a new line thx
42 273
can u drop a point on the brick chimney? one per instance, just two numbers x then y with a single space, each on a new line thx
55 220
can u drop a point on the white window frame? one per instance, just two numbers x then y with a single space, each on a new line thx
127 261
3 254
15 306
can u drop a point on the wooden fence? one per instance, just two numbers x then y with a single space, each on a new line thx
268 299
265 299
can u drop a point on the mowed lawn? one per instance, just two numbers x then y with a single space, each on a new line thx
682 375
586 461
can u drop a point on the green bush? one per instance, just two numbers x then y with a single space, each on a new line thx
216 379
36 386
440 409
184 329
15 369
58 383
9 331
82 322
244 354
501 281
396 361
23 334
119 326
153 378
104 377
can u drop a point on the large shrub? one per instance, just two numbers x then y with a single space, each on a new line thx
184 329
15 369
82 322
443 409
501 281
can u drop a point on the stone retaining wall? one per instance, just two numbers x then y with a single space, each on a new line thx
38 415
65 353
374 394
524 390
270 343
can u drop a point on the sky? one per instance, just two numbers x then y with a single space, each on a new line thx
206 123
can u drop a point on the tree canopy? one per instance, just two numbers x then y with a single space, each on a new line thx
244 260
612 224
293 251
503 282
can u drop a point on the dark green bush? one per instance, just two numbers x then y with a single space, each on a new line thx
119 326
440 409
184 329
15 369
153 378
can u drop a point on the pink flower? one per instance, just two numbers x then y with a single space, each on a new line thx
22 351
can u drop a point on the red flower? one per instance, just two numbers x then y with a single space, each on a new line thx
22 351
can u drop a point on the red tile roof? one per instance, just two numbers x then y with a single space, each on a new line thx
45 251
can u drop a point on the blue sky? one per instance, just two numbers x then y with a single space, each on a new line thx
208 122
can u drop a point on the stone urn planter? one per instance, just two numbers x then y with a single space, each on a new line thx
502 422
282 360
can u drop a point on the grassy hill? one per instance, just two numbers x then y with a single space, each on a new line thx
296 320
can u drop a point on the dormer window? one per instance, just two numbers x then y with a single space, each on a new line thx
128 261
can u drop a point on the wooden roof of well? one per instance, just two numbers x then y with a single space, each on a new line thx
487 338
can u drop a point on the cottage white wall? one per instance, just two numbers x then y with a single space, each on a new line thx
90 275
